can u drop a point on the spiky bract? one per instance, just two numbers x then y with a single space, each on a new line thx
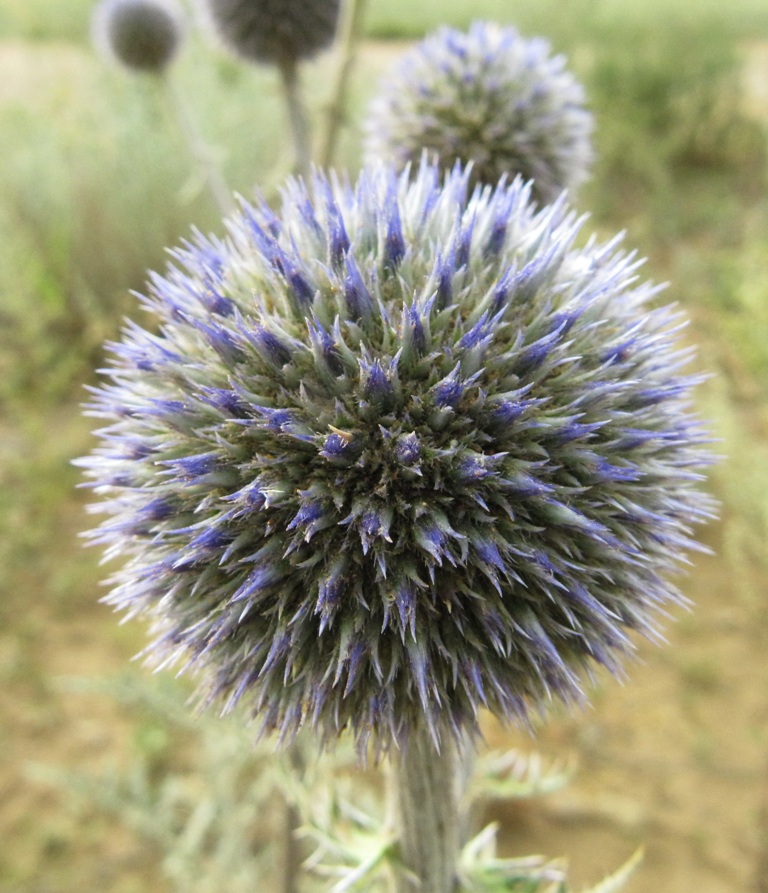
488 96
281 32
144 35
397 454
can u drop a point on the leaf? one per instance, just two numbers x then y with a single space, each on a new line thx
619 877
481 871
364 870
512 775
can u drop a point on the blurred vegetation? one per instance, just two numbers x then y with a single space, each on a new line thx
195 792
402 19
95 182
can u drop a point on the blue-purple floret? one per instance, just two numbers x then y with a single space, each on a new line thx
452 470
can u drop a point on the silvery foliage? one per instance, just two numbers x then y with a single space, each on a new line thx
214 814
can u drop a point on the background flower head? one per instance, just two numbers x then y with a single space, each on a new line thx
144 35
275 31
488 96
399 453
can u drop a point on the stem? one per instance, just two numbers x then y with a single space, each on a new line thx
199 150
336 115
292 856
427 788
291 850
297 117
761 878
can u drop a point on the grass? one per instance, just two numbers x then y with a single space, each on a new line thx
95 183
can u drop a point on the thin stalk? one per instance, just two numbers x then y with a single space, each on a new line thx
336 114
292 850
761 877
426 788
297 117
198 149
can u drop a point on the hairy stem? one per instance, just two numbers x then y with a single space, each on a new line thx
427 792
336 115
198 149
297 117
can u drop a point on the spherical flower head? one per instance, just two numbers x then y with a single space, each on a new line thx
396 454
280 32
143 35
488 96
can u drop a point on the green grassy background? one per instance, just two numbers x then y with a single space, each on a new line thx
95 182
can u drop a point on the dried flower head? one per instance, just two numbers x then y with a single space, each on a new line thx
143 35
397 454
275 31
488 96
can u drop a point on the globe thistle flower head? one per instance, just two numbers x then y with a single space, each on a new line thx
279 32
398 453
142 35
488 96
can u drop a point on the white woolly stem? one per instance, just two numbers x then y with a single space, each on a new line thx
198 149
426 789
297 117
336 115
